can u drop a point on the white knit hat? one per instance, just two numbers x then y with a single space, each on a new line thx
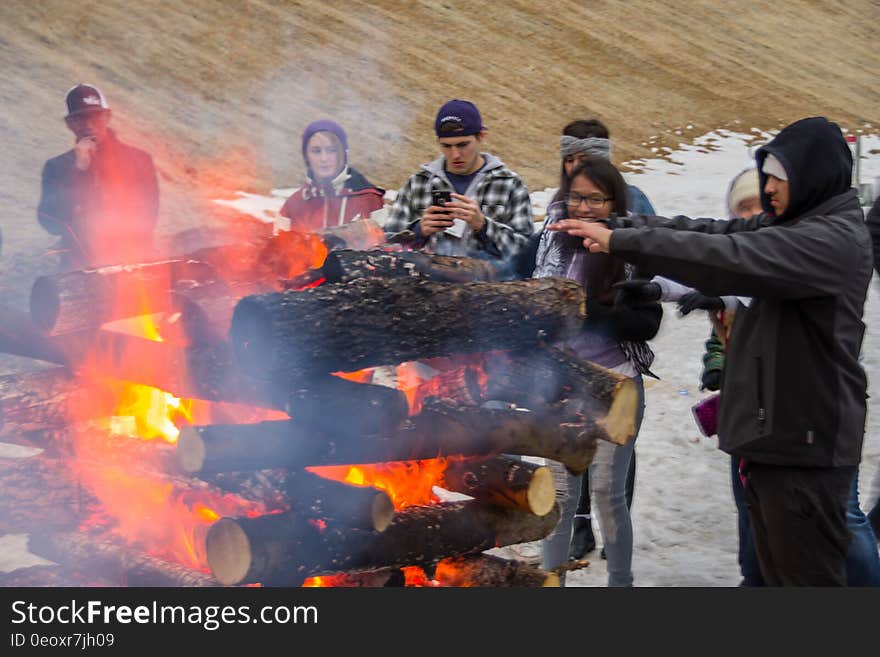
773 167
744 186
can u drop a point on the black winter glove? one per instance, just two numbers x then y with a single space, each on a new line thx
711 380
694 300
636 291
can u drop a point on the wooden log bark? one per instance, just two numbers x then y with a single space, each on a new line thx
439 430
108 559
283 550
95 444
205 310
482 570
35 400
341 504
19 337
54 576
503 481
345 266
548 375
84 300
39 493
347 327
335 406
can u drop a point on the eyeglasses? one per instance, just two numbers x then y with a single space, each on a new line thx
595 201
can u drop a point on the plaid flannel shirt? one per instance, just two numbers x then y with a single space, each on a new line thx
503 199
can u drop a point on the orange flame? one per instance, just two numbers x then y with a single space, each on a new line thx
406 482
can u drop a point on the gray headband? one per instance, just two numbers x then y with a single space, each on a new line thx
590 145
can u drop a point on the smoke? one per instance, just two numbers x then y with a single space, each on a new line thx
305 87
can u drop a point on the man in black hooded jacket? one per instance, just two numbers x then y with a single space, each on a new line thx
793 407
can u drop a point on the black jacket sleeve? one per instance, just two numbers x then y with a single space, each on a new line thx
633 324
54 211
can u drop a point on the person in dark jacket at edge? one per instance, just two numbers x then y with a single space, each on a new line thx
102 196
795 394
873 222
335 192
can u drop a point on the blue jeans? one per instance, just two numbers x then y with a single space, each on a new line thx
608 483
862 558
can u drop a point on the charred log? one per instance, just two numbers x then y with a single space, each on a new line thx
503 481
35 400
205 310
128 566
39 493
84 300
489 570
283 550
347 327
337 503
336 406
437 431
548 375
346 266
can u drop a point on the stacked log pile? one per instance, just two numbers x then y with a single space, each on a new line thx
267 338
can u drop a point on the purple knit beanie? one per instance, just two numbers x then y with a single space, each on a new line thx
324 125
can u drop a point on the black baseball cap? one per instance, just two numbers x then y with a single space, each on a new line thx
85 98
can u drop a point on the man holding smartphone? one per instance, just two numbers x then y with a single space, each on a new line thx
102 196
466 202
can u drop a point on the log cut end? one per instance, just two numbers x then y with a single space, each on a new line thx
541 493
229 551
190 450
45 303
620 423
552 581
382 511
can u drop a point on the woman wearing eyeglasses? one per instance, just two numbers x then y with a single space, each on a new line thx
614 336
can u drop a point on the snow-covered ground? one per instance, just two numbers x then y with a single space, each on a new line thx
684 519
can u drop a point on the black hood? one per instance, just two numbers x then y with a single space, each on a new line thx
816 158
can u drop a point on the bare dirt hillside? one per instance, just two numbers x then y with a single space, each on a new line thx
219 92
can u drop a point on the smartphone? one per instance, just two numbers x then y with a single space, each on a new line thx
440 196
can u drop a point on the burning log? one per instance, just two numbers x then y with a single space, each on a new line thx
489 570
95 444
19 336
336 406
282 550
205 310
37 493
114 561
346 266
54 576
549 375
77 301
347 327
505 482
438 431
341 504
35 400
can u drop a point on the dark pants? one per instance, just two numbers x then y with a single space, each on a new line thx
748 560
798 518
